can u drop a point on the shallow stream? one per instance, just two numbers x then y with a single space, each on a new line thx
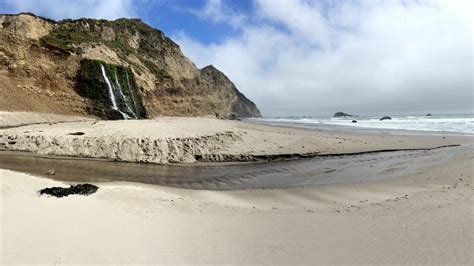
279 174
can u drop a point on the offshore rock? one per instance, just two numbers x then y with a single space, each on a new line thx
342 114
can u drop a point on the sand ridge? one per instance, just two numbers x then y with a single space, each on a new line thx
186 140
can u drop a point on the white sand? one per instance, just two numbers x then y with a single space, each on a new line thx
182 140
425 218
14 119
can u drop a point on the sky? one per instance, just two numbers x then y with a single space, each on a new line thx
303 57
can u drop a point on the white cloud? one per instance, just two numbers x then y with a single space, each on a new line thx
303 19
300 57
61 9
216 12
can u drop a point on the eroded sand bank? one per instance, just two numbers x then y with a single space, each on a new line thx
187 140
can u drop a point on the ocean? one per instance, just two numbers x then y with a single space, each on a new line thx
461 124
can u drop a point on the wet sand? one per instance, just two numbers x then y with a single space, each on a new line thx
278 174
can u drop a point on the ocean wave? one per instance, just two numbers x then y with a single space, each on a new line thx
455 124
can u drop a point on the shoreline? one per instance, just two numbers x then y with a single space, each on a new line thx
358 129
438 124
170 140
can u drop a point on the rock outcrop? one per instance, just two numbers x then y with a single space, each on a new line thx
342 114
42 69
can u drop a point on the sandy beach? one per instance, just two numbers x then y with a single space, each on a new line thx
423 217
187 140
218 132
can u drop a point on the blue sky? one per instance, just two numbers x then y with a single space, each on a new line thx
167 15
180 16
313 57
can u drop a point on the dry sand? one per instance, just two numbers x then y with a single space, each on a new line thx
15 119
425 218
185 140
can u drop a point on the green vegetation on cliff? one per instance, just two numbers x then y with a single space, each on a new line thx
69 37
158 72
70 34
170 84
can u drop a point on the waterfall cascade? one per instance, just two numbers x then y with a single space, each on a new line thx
112 89
111 93
130 92
124 98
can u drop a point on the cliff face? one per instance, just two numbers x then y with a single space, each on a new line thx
49 66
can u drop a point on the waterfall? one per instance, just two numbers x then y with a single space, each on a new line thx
122 95
111 93
130 91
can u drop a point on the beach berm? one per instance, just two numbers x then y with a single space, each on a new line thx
187 140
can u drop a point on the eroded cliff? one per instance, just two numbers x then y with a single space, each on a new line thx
42 69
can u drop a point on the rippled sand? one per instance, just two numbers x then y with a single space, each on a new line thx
421 218
278 174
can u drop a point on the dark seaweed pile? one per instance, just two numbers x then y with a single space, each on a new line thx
59 192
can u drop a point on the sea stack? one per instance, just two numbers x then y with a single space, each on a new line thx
342 114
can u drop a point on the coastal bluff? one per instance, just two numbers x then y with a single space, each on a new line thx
108 69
